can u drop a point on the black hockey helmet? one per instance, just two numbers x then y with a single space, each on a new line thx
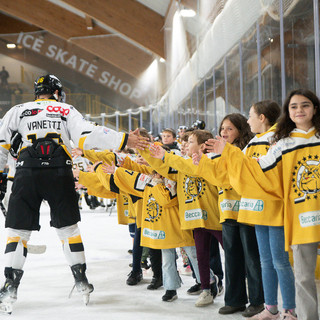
48 84
199 124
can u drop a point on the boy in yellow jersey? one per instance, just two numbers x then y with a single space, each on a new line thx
198 209
160 227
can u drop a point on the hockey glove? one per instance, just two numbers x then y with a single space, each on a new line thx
3 185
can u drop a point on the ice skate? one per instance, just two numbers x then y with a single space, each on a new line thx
8 293
81 282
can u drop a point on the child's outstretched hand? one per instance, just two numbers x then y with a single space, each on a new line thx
196 157
78 186
109 168
77 152
215 145
156 151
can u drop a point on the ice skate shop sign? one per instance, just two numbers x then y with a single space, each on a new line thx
79 64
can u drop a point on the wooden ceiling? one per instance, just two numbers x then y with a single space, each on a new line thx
124 35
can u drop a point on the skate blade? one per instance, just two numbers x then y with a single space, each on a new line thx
6 307
86 298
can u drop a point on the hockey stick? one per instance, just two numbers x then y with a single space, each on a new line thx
32 248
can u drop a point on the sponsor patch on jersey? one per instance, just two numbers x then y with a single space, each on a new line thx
106 131
195 214
229 205
126 213
309 219
251 204
154 234
58 109
141 182
30 112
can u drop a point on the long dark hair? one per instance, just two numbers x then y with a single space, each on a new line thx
286 125
240 122
270 109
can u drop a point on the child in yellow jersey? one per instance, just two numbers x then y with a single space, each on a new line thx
160 227
198 209
290 171
268 218
239 240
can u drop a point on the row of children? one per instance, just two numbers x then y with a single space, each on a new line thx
238 198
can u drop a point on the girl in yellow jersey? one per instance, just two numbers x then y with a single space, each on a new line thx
289 171
268 218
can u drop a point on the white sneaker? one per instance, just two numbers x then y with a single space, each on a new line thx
204 299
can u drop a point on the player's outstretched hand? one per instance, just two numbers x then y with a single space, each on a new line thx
215 145
137 141
157 151
109 168
77 152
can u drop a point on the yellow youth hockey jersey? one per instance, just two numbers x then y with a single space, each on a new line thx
257 210
160 228
289 171
198 199
229 199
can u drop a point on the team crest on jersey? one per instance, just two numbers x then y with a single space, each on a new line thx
193 188
154 210
29 113
306 178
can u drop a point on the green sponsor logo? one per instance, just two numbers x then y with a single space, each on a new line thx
229 205
309 219
154 234
195 214
251 205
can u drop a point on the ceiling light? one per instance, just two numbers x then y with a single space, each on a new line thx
162 60
188 13
11 45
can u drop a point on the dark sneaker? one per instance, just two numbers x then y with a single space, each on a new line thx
195 289
134 278
170 295
231 310
214 287
145 265
155 283
252 310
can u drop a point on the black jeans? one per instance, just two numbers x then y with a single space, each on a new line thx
136 251
156 262
241 261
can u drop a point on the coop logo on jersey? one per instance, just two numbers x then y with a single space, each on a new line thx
193 187
195 214
154 234
306 179
29 113
58 109
251 204
154 210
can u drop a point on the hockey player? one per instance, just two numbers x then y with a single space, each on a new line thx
44 171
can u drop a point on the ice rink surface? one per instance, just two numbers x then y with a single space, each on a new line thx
47 281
